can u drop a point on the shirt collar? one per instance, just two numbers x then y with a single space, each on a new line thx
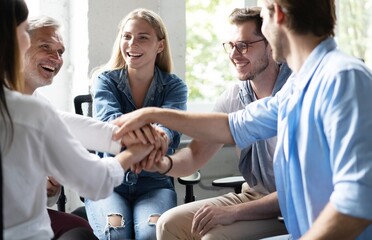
312 62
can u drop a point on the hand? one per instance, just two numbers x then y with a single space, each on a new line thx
162 141
161 148
134 154
150 165
146 134
158 137
209 216
53 187
131 121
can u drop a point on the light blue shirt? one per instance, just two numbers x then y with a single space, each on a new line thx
323 118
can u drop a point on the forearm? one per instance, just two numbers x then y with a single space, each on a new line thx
133 155
264 208
92 134
191 158
213 127
332 224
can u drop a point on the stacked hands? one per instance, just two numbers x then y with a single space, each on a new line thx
135 126
147 145
144 149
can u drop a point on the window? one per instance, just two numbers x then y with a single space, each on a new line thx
354 29
208 68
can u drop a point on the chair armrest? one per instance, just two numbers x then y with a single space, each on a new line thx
233 182
191 179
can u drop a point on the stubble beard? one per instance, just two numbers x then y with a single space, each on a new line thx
277 48
34 80
262 64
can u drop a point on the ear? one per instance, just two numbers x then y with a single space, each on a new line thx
161 46
279 14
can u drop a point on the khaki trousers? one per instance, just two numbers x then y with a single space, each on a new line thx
176 222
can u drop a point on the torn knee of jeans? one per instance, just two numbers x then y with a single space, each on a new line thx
115 220
153 219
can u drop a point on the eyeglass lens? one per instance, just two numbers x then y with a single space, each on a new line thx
241 47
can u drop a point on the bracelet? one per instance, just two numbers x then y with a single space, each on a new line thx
171 165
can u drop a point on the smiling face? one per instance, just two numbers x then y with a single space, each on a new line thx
256 59
139 44
43 59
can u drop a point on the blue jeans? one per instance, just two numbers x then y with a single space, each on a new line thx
134 202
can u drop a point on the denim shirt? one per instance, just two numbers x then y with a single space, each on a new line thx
112 97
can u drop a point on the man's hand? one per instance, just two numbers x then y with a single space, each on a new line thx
161 165
131 121
134 154
53 187
208 216
146 134
160 149
161 141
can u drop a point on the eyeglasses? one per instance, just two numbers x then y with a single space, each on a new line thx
241 46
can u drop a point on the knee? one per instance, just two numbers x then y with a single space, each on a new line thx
115 220
163 220
162 227
115 227
153 219
174 225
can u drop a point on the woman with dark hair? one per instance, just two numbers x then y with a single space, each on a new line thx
35 143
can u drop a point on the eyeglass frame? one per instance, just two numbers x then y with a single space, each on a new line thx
234 45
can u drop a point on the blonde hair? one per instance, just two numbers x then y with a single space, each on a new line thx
163 59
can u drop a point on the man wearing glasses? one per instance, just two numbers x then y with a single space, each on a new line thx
228 215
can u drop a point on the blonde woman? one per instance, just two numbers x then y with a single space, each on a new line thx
137 75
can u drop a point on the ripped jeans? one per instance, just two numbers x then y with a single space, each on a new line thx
132 210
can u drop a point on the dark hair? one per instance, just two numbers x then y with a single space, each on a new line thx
315 16
243 15
21 11
12 13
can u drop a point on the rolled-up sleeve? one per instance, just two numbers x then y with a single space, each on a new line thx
256 122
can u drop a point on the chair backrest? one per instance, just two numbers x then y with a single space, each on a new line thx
83 104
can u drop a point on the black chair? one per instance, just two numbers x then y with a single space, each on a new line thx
83 106
234 182
189 183
61 203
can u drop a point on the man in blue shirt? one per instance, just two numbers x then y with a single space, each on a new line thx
322 118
